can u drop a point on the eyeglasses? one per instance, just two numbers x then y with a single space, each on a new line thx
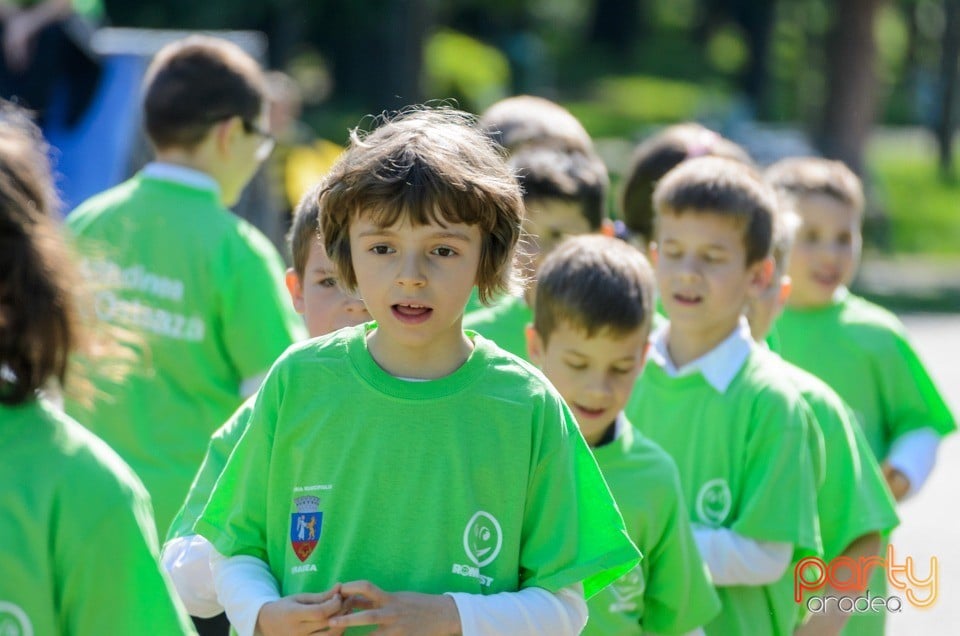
266 146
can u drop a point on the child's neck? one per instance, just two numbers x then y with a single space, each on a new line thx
688 344
418 363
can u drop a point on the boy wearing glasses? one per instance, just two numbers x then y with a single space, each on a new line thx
202 289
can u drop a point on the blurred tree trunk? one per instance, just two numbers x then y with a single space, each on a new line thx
376 50
756 19
949 71
851 100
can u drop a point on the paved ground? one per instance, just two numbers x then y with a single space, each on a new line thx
930 522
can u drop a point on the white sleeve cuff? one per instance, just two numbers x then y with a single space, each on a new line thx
737 560
530 611
187 561
244 584
914 454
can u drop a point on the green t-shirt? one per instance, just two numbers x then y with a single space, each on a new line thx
853 499
505 323
476 482
862 352
222 443
670 591
78 547
744 463
203 291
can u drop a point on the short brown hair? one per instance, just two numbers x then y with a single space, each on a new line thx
546 172
426 166
194 83
596 284
808 176
722 187
304 230
38 314
525 120
659 154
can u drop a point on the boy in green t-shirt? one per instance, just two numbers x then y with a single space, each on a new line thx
314 293
78 546
406 467
861 350
591 324
718 404
565 185
201 288
854 505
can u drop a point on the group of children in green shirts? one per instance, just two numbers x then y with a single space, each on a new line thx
407 469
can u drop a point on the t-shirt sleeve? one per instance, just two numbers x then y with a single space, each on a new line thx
108 574
221 445
234 518
258 320
854 499
572 529
910 397
778 494
679 596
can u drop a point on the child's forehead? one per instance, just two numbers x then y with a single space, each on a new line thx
822 207
317 257
705 225
604 341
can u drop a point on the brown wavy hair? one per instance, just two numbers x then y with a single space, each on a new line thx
426 165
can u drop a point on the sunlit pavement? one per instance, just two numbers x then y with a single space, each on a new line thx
930 522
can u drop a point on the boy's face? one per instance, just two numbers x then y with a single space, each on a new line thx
593 375
323 305
704 281
549 221
826 252
416 280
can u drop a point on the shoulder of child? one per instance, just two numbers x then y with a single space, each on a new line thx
871 319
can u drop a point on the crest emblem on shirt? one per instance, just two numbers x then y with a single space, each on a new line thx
482 538
14 621
305 526
714 502
625 589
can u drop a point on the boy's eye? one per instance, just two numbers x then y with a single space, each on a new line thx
622 370
576 366
330 281
444 251
845 239
381 249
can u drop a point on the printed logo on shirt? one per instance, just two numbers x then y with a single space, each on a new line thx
625 589
714 502
14 621
482 541
305 526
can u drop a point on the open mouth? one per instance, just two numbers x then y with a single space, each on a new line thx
589 412
687 299
411 313
827 279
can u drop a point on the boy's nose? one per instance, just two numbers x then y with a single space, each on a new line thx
355 306
411 273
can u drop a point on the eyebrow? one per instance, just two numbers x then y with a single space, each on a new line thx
444 234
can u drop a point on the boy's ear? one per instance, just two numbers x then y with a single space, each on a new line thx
786 286
295 287
534 346
654 253
760 274
225 132
607 228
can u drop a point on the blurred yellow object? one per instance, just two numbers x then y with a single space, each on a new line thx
306 165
